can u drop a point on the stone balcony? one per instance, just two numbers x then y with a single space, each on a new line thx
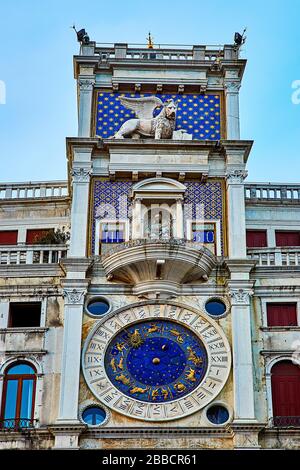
158 265
31 254
273 257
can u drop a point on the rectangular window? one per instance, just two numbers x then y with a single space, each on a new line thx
8 237
110 234
282 314
287 238
35 235
24 314
205 233
256 238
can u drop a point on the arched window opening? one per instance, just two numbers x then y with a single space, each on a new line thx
18 396
158 223
285 380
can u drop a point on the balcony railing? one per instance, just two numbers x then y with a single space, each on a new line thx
168 242
32 254
34 190
275 256
272 192
19 424
177 52
286 421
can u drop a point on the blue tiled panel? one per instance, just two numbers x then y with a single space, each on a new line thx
201 201
199 115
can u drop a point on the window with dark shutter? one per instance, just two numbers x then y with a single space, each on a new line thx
282 314
285 379
256 238
35 235
8 237
287 238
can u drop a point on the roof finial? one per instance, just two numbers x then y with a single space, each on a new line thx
150 43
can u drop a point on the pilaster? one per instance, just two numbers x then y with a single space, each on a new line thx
232 86
85 86
81 172
240 290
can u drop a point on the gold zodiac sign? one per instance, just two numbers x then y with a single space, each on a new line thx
190 375
122 378
178 336
153 328
165 393
120 346
138 390
180 387
154 394
121 365
135 339
113 364
193 357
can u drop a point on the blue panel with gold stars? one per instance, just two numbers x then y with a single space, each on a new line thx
156 361
199 115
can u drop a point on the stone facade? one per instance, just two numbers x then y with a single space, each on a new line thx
157 233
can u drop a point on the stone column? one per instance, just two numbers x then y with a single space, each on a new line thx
232 109
242 353
137 219
179 219
86 86
70 367
81 173
236 213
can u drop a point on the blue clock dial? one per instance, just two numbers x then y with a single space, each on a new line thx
156 361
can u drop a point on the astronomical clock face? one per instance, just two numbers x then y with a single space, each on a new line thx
156 362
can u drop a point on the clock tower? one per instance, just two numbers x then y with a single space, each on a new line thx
157 347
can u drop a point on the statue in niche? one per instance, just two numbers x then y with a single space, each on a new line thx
145 125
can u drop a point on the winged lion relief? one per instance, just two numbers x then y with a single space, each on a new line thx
146 125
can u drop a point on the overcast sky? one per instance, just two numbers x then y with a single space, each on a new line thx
37 46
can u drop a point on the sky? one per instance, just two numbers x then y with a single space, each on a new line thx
36 69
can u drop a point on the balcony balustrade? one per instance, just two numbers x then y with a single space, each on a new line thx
17 424
42 189
31 254
288 193
275 256
158 264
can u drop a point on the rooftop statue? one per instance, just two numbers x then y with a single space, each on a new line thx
145 125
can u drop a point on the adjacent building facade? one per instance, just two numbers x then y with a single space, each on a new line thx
152 300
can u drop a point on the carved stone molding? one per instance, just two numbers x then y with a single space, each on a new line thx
73 296
232 86
240 296
236 176
81 175
86 84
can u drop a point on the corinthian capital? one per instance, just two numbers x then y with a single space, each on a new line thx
232 86
86 84
240 296
73 295
236 176
81 175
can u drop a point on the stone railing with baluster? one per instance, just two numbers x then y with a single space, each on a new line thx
31 254
169 52
278 256
168 242
34 190
277 192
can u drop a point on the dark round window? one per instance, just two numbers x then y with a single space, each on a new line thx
94 415
215 307
98 307
217 414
